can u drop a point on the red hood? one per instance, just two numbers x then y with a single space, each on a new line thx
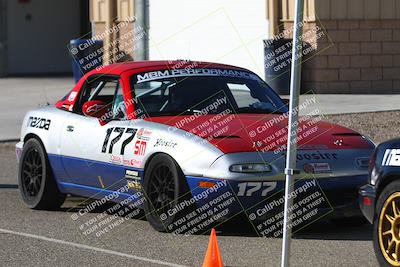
260 132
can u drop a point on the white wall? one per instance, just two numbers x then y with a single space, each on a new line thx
39 45
224 31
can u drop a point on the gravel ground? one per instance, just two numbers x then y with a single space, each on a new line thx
380 126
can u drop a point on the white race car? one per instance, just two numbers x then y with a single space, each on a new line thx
183 141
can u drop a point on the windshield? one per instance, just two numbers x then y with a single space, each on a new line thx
203 91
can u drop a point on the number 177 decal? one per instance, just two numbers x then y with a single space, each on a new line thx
130 132
247 189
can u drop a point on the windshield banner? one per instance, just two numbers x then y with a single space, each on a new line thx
155 75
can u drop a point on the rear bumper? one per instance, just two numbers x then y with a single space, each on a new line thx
366 200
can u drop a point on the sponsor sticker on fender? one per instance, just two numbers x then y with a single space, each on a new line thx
316 155
132 162
317 168
133 180
163 143
116 159
144 134
41 123
140 148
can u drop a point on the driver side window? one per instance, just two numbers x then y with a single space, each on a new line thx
102 96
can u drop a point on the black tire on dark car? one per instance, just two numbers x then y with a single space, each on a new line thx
384 231
36 183
164 187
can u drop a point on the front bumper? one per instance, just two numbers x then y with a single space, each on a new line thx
214 201
366 200
261 200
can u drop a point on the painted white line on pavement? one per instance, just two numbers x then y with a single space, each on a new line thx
111 252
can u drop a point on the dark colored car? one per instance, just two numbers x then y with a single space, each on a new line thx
380 201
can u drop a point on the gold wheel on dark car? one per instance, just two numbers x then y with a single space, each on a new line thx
389 229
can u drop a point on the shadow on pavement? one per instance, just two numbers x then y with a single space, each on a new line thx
358 230
239 225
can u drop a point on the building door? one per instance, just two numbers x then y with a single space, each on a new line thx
225 31
38 33
3 31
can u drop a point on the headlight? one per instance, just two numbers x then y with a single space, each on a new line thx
251 167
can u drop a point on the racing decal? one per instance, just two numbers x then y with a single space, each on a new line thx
322 167
144 134
133 180
316 156
72 96
154 75
116 159
129 132
249 188
131 174
140 147
40 123
161 142
132 162
391 157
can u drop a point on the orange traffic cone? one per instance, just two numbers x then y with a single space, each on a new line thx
213 257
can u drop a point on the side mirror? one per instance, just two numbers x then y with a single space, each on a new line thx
94 108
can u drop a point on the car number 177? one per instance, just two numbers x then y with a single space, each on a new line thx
249 188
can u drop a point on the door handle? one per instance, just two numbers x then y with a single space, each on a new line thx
70 128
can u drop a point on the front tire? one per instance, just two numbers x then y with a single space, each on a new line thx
386 232
164 188
35 180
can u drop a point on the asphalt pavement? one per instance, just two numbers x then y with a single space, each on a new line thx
52 238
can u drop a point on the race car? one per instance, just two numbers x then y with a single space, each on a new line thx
379 200
190 143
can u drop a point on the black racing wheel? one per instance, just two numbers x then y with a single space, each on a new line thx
164 187
35 180
386 229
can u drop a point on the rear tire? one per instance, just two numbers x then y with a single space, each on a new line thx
165 187
36 183
384 208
